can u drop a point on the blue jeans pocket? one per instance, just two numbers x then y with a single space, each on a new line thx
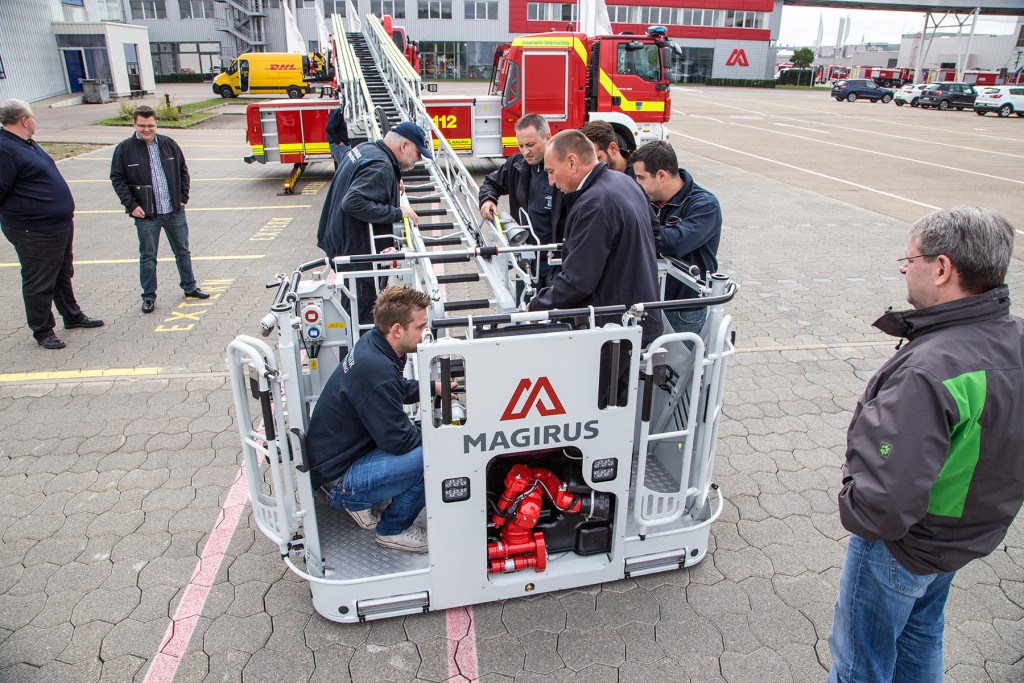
904 581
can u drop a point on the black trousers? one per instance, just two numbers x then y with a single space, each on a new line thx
46 271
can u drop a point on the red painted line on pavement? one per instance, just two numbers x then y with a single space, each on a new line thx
183 624
462 665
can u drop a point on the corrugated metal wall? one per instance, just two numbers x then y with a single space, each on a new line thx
33 65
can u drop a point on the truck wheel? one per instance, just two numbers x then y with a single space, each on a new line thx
294 92
226 92
944 105
1005 110
886 98
852 97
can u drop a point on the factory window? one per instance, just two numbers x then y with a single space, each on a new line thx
741 19
149 9
196 9
435 9
3 74
334 7
396 8
482 10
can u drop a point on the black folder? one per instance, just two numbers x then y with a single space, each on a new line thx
143 194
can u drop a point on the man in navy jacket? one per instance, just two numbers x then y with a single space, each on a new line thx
691 223
608 253
362 446
37 214
365 192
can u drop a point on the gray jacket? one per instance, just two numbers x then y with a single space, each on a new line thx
935 450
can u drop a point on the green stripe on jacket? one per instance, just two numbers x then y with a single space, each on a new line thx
949 493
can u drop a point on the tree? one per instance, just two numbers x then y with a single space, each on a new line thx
802 57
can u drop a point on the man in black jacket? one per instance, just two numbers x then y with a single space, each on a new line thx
362 447
523 179
934 471
151 179
691 224
37 213
365 192
608 253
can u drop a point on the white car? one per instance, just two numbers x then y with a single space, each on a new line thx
909 94
1004 99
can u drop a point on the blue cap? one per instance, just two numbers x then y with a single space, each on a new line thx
414 134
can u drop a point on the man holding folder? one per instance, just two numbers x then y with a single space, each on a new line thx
151 179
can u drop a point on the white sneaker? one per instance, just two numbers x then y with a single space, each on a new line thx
366 519
413 540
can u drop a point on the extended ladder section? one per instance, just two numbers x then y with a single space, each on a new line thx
610 445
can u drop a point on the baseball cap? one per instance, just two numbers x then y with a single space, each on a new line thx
414 134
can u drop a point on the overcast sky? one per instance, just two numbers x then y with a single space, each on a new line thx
800 25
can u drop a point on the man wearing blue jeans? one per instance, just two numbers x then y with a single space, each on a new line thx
151 179
362 446
934 471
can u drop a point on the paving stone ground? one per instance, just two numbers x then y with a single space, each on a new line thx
109 487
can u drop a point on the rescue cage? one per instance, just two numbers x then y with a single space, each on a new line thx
571 457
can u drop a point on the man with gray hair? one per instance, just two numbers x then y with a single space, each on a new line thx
934 472
37 214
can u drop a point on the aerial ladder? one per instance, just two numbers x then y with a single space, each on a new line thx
533 483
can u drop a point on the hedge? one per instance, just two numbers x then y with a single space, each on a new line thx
180 78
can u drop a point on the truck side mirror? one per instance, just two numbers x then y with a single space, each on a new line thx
431 87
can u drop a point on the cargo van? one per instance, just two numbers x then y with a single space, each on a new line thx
264 73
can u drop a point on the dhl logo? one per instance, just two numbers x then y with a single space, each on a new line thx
282 67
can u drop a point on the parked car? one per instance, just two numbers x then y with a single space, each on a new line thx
853 89
909 94
1005 99
945 95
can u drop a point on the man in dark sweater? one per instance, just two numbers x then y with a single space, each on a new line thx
608 253
362 446
337 134
37 215
365 193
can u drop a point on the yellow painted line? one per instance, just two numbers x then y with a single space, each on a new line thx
194 180
170 259
212 208
77 374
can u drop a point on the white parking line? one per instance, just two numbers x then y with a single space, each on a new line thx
865 150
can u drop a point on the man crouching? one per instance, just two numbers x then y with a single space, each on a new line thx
363 448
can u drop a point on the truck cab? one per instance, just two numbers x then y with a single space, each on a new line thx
570 78
264 73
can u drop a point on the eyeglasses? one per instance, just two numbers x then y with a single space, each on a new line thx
909 259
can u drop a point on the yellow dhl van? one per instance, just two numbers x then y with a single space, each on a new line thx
263 73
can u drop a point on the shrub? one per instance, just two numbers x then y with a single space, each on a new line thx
180 78
167 110
742 82
125 110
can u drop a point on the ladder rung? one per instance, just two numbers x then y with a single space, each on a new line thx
466 305
459 277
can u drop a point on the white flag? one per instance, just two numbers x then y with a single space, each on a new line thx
594 20
293 40
321 26
821 33
354 24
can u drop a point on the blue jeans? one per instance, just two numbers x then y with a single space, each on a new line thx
888 620
377 476
687 321
176 228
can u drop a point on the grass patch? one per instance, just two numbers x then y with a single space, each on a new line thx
64 150
169 114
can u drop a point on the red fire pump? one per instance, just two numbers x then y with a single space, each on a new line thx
519 509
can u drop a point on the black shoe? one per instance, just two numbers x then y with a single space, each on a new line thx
148 305
53 342
85 321
197 294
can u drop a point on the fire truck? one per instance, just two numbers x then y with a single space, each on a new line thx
887 78
569 78
405 45
569 454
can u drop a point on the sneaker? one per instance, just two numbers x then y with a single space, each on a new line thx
413 540
366 519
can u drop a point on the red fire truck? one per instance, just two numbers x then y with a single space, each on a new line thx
569 78
404 43
887 78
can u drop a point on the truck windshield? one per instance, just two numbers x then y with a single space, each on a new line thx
644 61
